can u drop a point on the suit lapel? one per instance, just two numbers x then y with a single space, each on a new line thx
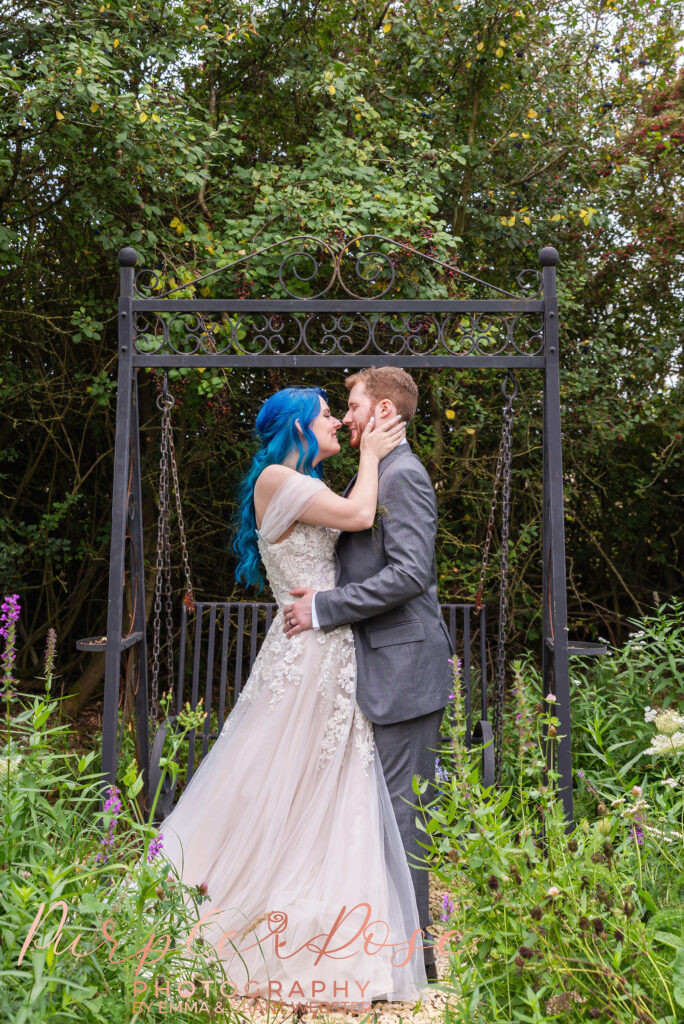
350 485
402 449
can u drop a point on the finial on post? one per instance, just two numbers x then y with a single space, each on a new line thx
128 257
548 256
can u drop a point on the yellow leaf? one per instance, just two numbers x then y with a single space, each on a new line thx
557 216
94 108
499 52
469 63
358 117
450 414
512 135
174 222
469 430
59 115
527 220
502 42
531 113
206 292
511 221
480 46
387 27
143 117
115 43
157 118
525 135
331 90
79 71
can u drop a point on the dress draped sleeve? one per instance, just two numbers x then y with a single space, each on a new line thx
287 504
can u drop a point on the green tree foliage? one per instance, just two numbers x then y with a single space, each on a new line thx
476 131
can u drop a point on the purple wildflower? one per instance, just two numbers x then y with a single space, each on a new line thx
637 834
9 614
448 907
440 772
590 788
113 804
155 846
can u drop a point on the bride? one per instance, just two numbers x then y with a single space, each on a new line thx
288 822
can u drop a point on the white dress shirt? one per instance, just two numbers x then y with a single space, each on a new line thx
314 617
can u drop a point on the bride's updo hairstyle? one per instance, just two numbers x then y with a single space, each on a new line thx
276 429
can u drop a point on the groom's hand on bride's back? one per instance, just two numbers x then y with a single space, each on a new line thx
297 616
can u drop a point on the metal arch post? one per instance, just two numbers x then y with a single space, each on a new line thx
555 666
117 556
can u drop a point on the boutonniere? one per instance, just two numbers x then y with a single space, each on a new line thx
381 512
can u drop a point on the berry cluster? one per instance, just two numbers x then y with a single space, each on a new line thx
219 405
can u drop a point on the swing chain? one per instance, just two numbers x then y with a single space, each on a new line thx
503 470
165 402
499 679
189 596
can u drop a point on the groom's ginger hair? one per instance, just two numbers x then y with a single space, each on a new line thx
388 382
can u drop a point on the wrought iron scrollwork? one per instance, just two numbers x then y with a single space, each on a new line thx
364 267
348 333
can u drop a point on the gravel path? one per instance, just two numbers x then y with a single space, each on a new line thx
429 1011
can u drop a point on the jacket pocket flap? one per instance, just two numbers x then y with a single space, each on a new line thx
402 633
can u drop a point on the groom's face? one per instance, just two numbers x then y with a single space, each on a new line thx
360 411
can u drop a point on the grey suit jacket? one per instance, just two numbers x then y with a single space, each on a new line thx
386 588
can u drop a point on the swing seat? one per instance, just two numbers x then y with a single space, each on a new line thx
216 656
581 648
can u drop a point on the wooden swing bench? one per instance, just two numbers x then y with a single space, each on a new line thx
215 658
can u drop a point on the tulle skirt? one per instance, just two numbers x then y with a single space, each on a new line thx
310 895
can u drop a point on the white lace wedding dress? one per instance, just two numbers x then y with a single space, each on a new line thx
288 820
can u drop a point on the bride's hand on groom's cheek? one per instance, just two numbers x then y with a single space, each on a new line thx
297 616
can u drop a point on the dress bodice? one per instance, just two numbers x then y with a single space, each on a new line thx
304 559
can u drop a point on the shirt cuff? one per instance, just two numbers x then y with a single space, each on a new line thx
314 617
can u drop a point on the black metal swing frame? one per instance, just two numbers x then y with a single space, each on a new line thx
158 329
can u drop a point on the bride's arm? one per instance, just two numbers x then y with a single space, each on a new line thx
357 511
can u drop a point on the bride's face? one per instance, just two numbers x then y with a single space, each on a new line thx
324 429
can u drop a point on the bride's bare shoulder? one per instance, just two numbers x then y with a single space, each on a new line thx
272 477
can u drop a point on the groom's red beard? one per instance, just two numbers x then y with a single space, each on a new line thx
355 437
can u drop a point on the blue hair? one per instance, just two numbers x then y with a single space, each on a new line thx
276 429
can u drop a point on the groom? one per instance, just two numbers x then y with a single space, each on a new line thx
386 588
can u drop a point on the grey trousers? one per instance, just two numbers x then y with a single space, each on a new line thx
406 749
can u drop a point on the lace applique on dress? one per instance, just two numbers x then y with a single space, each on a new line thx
306 558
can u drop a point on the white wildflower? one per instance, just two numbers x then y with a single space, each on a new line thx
670 783
650 714
9 764
664 744
636 791
553 892
669 722
616 803
638 805
550 698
